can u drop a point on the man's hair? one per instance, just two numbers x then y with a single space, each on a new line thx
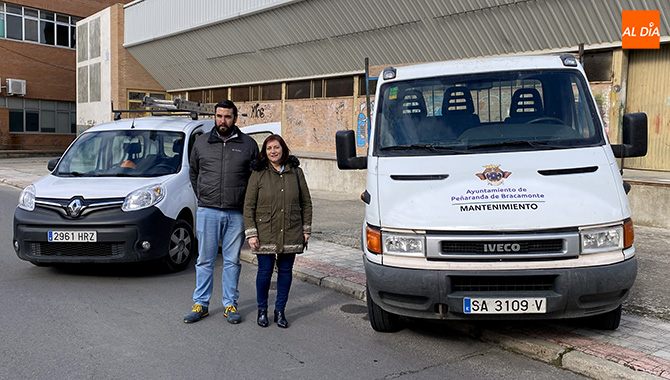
227 104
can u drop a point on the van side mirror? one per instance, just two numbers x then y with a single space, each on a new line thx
51 165
345 146
634 136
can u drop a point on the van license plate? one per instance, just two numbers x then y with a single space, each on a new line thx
72 236
504 305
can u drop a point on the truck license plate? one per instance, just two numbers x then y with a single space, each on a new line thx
504 305
72 236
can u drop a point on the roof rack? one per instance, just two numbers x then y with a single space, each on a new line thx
169 107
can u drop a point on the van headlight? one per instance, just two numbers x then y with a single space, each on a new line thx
602 239
27 198
406 245
143 198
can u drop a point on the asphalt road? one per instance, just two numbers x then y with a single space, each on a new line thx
125 321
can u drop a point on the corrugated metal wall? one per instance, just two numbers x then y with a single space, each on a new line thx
649 92
147 20
290 39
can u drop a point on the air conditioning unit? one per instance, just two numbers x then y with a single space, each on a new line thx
16 87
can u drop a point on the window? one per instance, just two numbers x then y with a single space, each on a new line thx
271 91
219 94
14 22
336 87
36 25
318 88
2 20
298 90
47 28
240 94
361 85
598 66
47 116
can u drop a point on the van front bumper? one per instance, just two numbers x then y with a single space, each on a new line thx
119 236
439 294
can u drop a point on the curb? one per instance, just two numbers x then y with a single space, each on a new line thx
555 354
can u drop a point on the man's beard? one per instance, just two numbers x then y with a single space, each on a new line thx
225 133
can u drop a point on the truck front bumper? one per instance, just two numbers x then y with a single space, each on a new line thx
439 294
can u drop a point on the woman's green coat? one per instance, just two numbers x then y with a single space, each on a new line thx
278 208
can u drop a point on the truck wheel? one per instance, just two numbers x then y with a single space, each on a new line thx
181 247
381 320
607 321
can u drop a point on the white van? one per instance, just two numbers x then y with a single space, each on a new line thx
120 193
494 193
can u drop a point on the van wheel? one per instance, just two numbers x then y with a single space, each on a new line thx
181 247
381 320
607 321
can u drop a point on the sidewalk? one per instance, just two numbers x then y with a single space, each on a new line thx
639 349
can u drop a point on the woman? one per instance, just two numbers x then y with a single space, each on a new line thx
277 222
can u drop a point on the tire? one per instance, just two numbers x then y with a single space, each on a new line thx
181 247
381 320
607 321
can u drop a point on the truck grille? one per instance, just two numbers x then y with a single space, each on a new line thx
525 246
77 249
501 284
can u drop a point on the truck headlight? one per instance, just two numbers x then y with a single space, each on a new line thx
602 239
398 244
27 198
143 198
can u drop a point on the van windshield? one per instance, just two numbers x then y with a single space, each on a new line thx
133 153
492 112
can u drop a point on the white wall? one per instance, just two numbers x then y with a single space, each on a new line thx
93 54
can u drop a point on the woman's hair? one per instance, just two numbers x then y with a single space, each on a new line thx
285 152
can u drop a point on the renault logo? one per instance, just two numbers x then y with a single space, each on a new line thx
74 208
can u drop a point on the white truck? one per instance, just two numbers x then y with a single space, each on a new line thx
493 193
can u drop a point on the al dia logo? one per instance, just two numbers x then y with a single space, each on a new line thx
640 29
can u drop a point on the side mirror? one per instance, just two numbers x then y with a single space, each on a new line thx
345 146
51 165
634 136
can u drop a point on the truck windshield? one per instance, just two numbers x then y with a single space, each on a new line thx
492 112
133 153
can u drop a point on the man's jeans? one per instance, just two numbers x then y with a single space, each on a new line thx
266 265
211 225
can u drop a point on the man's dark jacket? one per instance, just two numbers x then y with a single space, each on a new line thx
220 170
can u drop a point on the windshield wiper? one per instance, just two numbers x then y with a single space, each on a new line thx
510 143
74 174
432 147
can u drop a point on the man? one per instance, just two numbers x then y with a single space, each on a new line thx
220 168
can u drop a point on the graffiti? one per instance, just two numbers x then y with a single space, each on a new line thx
363 130
257 111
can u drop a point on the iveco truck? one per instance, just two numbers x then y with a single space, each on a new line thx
493 192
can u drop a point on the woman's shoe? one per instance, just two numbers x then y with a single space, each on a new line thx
263 318
280 319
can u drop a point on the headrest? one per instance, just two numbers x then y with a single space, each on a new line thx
178 146
526 102
132 148
457 100
413 103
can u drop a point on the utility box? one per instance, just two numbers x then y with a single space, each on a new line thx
16 87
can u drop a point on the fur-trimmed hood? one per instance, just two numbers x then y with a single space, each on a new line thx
257 166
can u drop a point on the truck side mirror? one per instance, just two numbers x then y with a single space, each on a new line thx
345 146
51 165
634 136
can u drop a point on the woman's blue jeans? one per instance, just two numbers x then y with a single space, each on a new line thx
228 226
266 265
